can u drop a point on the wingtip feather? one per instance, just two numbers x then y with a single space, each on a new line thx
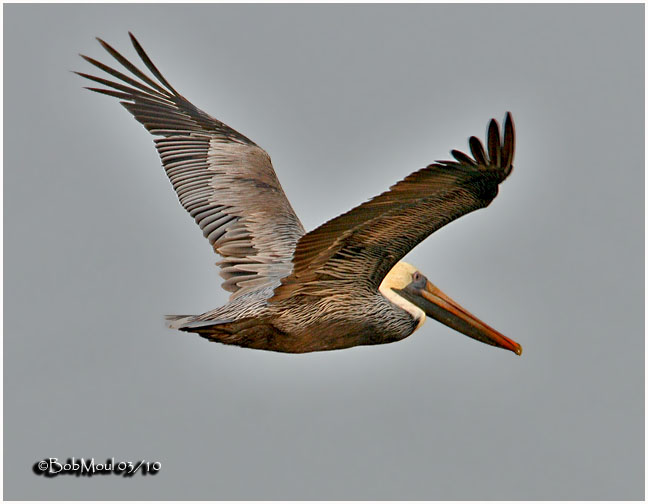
462 157
508 148
494 145
477 150
149 63
499 151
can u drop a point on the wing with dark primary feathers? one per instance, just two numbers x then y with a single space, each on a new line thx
223 179
357 249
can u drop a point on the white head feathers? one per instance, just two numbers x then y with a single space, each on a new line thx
399 277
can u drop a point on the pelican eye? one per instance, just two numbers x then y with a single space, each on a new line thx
419 279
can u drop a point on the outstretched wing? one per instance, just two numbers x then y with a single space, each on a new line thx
223 179
357 249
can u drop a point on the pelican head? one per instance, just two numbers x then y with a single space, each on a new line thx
408 288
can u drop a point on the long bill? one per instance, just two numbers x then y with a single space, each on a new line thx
441 307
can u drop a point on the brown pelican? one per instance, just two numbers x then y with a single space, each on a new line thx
340 285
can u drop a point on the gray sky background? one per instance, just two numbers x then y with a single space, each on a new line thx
347 100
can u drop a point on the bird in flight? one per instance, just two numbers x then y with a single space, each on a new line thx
338 286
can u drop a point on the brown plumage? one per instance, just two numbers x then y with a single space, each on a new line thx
340 285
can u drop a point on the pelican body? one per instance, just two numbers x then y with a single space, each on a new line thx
344 283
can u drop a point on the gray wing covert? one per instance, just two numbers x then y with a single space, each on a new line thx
223 179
